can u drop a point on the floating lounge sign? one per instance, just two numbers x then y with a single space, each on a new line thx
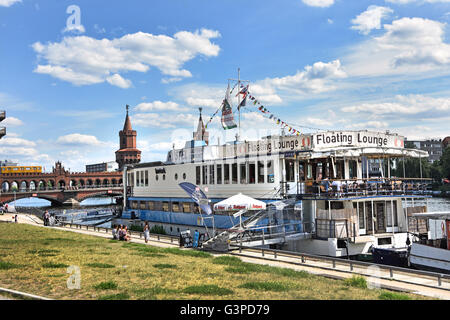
357 139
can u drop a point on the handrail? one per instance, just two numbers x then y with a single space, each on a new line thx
350 263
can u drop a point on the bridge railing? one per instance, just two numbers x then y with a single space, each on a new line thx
73 188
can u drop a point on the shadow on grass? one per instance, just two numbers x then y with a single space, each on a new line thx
117 296
8 265
100 265
165 266
106 285
266 286
51 265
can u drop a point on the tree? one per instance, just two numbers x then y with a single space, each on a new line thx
445 163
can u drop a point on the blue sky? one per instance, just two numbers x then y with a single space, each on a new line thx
327 64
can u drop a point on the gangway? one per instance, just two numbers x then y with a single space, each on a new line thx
277 224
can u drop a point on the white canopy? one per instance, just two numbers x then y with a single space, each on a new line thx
239 202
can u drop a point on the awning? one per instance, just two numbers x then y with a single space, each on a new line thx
239 202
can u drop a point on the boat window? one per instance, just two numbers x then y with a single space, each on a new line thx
151 205
205 174
243 167
352 166
362 221
165 206
137 178
176 176
157 178
184 176
142 205
176 207
301 172
389 216
146 178
142 179
219 174
260 171
186 207
226 173
335 205
270 172
251 173
234 173
289 165
197 175
211 174
134 204
132 179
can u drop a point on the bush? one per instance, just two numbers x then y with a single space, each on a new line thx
118 296
7 265
393 296
265 286
158 230
136 228
100 265
52 265
165 266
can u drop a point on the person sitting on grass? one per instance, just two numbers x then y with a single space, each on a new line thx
114 232
126 235
121 233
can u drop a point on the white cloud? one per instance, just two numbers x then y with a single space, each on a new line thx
118 81
408 46
77 139
16 142
12 122
318 3
8 3
370 19
77 29
159 106
313 79
165 121
83 60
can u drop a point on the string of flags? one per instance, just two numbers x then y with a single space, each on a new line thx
269 115
220 108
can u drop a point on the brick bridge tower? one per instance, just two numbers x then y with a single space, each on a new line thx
127 154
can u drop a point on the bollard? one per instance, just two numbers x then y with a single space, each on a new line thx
439 280
351 266
334 264
274 254
391 272
262 252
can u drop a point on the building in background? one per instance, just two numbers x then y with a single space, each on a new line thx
128 153
8 163
110 166
445 142
432 146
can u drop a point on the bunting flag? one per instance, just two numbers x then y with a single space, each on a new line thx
227 112
271 116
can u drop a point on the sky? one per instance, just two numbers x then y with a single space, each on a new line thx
69 68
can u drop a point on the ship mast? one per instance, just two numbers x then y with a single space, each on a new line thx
239 100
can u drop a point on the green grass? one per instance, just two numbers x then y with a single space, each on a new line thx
266 286
107 285
208 289
357 282
137 271
52 265
100 265
117 296
8 265
165 266
386 295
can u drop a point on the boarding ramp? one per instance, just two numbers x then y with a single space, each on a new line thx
279 223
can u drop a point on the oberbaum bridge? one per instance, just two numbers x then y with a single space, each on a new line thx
64 187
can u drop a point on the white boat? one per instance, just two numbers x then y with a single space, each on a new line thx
432 251
348 217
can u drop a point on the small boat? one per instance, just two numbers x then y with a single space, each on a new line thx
432 251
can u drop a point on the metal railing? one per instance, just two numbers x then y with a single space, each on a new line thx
387 272
338 188
133 234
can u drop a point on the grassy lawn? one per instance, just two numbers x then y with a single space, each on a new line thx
35 260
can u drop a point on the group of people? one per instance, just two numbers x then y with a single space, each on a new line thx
4 209
120 232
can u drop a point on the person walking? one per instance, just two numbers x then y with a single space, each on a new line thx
146 232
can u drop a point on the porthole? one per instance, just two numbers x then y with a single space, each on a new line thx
164 177
156 177
176 176
184 176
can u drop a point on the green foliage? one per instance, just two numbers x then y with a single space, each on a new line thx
136 228
393 296
8 265
107 285
356 281
208 289
158 230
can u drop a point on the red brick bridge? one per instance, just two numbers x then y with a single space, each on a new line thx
60 186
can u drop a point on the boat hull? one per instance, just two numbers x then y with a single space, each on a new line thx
429 258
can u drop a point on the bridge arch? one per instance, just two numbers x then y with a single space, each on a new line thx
73 183
14 186
51 184
105 182
98 182
23 186
42 185
33 185
61 184
81 183
89 182
113 181
5 186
